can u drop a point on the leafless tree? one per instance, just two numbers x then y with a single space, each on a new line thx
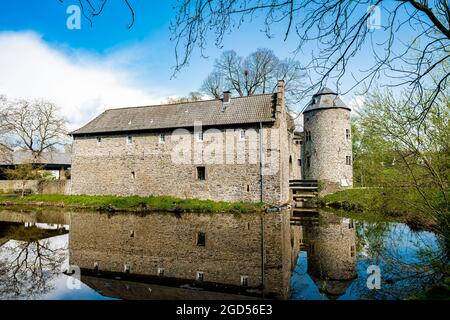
257 73
415 38
192 96
32 125
93 8
412 41
29 268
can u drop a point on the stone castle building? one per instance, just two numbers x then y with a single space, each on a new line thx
327 151
222 251
230 149
331 249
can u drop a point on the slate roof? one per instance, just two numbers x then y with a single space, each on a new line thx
240 110
46 158
325 99
62 158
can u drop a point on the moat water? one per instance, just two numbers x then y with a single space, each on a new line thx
62 255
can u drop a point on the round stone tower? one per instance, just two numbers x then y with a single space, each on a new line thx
327 152
331 247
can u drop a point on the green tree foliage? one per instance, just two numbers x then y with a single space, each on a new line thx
396 148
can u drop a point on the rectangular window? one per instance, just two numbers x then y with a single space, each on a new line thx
308 161
242 134
161 272
200 136
244 281
352 251
99 140
162 138
201 173
201 239
133 175
348 160
200 276
129 140
299 162
347 134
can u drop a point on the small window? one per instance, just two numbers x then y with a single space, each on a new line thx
348 160
200 136
244 281
299 162
200 276
201 173
247 226
133 175
247 188
242 134
129 140
352 251
201 239
308 136
351 224
347 134
99 140
162 138
160 272
308 161
126 268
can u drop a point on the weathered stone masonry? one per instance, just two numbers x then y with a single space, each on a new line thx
106 163
232 247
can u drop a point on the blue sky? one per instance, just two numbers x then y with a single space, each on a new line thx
109 65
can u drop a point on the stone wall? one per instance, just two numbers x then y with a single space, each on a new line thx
147 167
331 247
44 216
10 186
328 147
232 247
35 186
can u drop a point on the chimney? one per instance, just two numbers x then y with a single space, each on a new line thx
280 95
226 96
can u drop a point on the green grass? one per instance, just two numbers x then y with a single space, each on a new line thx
382 204
153 203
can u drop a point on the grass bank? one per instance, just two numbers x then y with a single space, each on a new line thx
131 204
377 204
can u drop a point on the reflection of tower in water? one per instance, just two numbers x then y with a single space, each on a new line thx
331 247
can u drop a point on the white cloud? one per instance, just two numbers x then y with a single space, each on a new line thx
82 84
356 102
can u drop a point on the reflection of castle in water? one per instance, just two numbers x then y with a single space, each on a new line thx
214 251
330 242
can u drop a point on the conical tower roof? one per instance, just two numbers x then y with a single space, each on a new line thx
326 99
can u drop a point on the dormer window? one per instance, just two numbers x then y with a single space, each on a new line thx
200 136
